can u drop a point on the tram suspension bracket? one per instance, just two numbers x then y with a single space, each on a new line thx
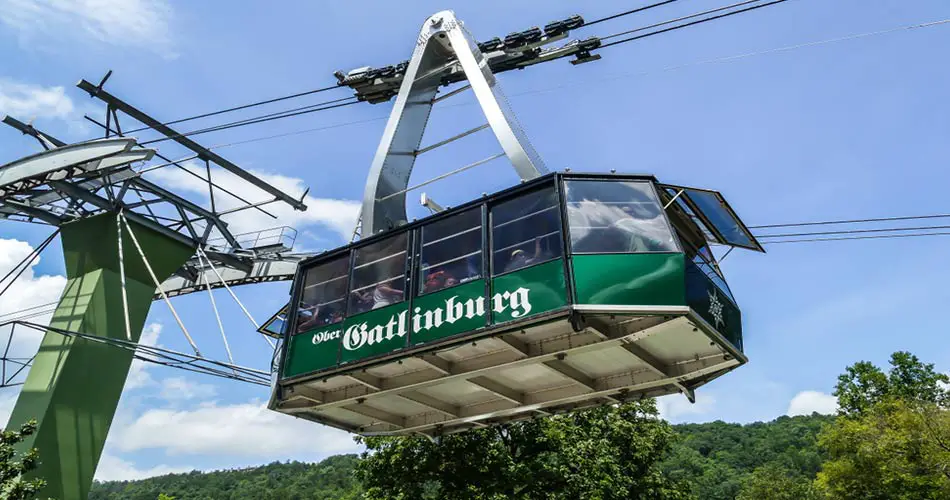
444 48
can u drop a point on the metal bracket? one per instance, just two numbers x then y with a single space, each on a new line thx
443 45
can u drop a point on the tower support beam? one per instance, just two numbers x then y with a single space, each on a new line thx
74 385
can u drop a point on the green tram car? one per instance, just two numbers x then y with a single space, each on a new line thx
567 291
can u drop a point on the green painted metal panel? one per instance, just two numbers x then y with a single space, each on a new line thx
74 385
448 312
313 350
704 297
434 317
528 292
646 279
374 332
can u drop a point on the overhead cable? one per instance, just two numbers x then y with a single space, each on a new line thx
627 13
684 18
245 106
693 23
851 221
261 119
877 237
623 75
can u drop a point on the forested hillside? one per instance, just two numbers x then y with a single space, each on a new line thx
712 458
889 439
330 479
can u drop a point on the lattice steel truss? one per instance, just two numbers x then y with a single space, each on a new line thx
72 181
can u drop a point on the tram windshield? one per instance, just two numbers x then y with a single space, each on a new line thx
616 217
525 231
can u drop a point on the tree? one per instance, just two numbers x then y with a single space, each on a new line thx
863 385
610 452
162 496
892 437
13 485
774 482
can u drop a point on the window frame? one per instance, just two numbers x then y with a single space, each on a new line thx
416 266
407 267
301 283
678 247
707 222
490 229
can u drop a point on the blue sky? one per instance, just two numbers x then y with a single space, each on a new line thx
854 128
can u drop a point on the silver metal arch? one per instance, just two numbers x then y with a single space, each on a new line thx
444 44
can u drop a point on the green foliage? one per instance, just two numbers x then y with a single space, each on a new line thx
162 496
716 459
774 482
331 479
13 484
602 453
893 439
864 385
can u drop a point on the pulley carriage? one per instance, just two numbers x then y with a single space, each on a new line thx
567 291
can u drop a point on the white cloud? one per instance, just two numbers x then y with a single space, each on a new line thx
179 388
27 298
132 23
113 468
335 214
808 402
138 376
28 101
676 407
248 430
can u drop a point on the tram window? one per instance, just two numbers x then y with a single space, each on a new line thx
705 261
451 251
720 217
616 217
525 231
379 274
323 297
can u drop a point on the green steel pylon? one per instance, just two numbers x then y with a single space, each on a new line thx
74 385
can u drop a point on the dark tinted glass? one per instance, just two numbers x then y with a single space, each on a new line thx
525 231
379 274
616 217
451 251
322 300
715 210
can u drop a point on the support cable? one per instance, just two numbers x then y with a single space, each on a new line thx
851 231
233 295
626 13
24 264
258 119
125 296
217 315
852 221
683 18
693 23
238 108
159 285
846 238
612 77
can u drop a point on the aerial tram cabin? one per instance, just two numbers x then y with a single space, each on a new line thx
568 291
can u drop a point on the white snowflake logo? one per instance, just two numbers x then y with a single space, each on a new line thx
715 308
